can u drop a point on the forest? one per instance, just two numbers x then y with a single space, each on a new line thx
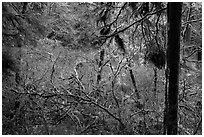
101 68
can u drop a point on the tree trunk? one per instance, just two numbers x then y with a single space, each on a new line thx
174 10
155 85
134 83
102 53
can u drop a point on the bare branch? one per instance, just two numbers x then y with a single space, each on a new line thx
192 21
138 21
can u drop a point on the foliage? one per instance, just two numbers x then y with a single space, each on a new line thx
92 68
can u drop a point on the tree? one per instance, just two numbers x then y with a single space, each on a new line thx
173 59
98 68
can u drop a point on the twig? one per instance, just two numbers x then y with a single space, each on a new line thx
89 126
198 125
191 21
53 68
124 29
119 13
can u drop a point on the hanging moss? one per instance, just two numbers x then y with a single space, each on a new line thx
156 56
120 43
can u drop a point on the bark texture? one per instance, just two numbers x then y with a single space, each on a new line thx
173 58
